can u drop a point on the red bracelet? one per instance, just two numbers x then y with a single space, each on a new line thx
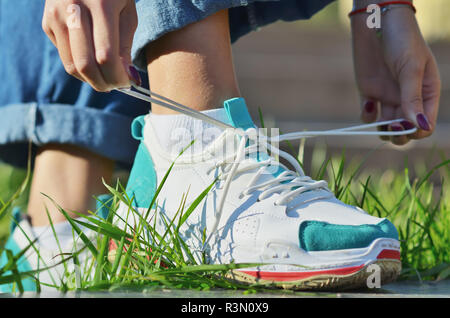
383 4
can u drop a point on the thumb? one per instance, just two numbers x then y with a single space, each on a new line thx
411 79
127 27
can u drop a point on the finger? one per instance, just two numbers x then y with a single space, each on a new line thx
82 49
62 43
397 127
387 112
49 32
369 110
411 96
431 93
127 28
106 42
56 30
407 125
50 16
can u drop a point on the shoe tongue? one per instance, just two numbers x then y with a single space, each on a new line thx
239 117
238 114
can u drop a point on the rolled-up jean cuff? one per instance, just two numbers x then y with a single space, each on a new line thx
158 17
98 131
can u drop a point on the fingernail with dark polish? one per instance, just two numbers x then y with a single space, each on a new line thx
423 122
369 106
397 128
132 71
407 125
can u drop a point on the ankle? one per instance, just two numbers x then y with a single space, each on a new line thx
189 70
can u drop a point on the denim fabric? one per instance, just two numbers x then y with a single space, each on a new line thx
157 17
40 103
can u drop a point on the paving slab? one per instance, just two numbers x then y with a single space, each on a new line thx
402 289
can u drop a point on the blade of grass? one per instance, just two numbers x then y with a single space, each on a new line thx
22 188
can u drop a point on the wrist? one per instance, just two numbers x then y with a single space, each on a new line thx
383 7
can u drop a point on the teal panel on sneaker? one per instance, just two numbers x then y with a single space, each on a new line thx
142 180
137 128
16 218
238 114
103 205
22 266
322 236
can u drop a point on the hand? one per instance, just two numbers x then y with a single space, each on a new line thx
396 74
94 39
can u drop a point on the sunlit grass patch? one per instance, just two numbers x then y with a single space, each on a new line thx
139 257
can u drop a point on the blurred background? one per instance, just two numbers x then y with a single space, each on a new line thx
300 75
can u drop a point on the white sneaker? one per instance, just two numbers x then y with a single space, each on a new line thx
293 226
51 268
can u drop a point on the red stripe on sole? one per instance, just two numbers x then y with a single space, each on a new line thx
292 276
392 254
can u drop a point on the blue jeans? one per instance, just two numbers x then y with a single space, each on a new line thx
40 103
157 17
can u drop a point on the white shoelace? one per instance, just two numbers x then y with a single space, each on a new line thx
288 183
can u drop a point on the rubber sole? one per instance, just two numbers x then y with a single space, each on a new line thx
346 278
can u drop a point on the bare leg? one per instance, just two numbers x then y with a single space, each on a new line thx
194 65
71 176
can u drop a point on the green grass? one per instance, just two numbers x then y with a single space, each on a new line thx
11 181
417 202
